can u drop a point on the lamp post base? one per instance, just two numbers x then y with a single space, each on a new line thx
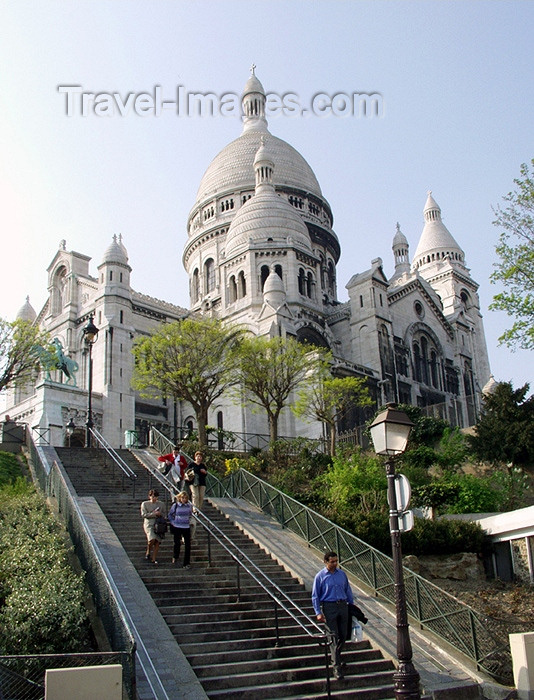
406 682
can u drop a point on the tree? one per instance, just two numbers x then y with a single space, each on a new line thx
193 359
271 369
328 399
19 341
505 432
515 269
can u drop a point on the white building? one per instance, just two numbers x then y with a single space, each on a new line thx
261 252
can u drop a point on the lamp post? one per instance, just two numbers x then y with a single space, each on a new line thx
89 335
70 428
389 433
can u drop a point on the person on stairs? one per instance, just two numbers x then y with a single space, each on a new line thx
150 510
176 464
180 522
331 595
198 487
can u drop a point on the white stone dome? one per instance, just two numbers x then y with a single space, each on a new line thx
436 242
116 252
233 168
26 312
267 217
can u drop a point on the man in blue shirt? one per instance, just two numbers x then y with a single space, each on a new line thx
331 595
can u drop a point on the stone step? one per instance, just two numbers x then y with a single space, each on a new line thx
229 656
228 634
296 684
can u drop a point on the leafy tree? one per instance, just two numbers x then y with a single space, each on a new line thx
328 399
271 369
355 482
435 495
505 432
18 358
515 269
193 359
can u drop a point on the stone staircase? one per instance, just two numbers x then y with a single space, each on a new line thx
227 634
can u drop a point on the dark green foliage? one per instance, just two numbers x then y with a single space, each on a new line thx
435 494
41 598
9 468
505 431
426 430
442 537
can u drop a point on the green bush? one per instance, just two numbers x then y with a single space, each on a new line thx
9 468
442 537
41 598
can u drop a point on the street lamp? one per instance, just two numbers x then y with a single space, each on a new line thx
89 335
389 433
70 428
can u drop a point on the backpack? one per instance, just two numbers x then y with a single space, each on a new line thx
160 526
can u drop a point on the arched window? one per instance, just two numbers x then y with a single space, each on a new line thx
331 277
195 287
58 290
264 273
309 285
278 270
302 282
209 275
232 290
241 285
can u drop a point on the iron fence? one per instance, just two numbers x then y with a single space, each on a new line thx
230 441
22 677
482 640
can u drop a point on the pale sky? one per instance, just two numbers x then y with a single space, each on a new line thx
456 80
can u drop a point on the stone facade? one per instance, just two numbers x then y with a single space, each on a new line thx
261 251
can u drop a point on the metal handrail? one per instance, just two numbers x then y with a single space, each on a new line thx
238 442
125 468
243 561
161 443
478 638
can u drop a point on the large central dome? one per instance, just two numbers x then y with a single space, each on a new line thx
233 168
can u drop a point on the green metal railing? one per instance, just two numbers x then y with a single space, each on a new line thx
482 640
23 677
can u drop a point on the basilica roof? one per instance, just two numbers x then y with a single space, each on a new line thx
27 312
266 216
232 169
436 241
116 252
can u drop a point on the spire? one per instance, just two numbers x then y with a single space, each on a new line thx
401 252
253 104
436 243
263 166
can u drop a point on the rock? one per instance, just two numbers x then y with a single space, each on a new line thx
411 562
458 567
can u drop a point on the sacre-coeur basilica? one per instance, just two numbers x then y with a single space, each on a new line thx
261 252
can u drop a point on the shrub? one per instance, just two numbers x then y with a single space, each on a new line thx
442 537
41 598
9 468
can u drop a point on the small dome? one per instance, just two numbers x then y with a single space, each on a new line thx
274 292
266 217
26 312
116 252
490 386
399 239
253 85
436 242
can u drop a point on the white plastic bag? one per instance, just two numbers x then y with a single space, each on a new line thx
356 634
